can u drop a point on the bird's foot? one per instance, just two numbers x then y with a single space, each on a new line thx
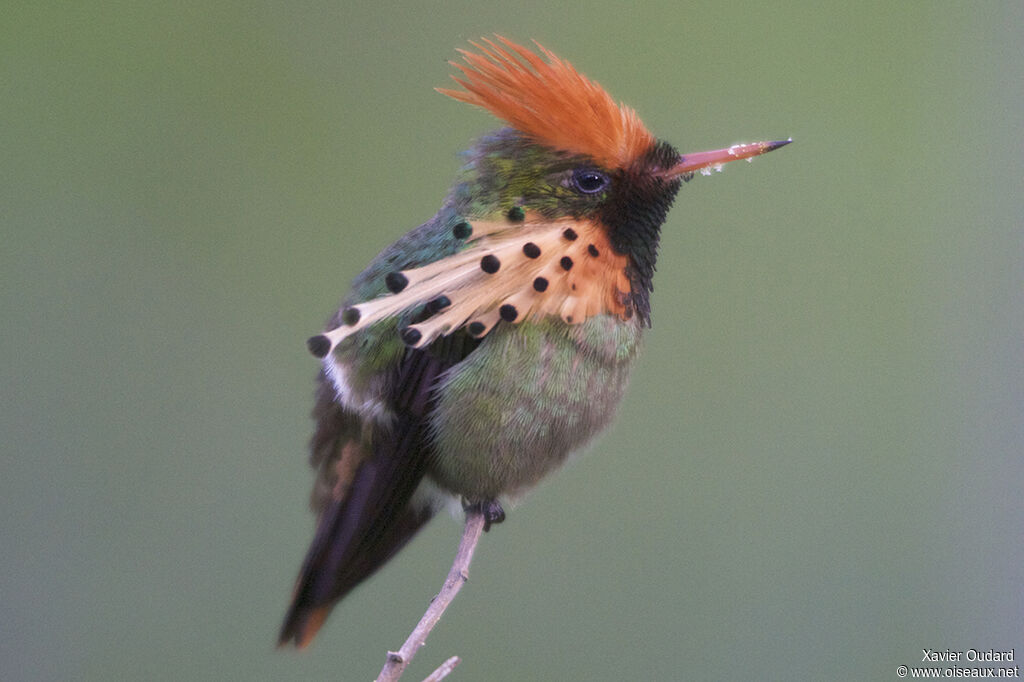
491 509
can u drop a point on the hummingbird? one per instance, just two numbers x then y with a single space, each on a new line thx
474 354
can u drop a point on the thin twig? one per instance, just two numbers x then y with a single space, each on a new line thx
398 661
444 670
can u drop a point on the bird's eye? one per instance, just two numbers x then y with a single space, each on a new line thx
589 181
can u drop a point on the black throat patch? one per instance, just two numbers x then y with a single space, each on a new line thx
634 213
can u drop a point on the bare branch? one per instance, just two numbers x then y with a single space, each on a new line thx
398 661
444 670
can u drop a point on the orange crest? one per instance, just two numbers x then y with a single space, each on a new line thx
550 102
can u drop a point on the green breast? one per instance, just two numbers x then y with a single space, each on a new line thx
527 397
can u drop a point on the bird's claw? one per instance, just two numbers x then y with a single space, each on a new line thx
491 509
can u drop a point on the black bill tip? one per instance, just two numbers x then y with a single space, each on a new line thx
772 146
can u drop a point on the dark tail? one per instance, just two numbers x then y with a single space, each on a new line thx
337 561
358 533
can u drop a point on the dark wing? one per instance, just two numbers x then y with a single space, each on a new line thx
368 473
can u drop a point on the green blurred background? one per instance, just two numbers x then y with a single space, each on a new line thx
817 471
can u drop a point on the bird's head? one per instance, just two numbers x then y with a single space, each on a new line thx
572 152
